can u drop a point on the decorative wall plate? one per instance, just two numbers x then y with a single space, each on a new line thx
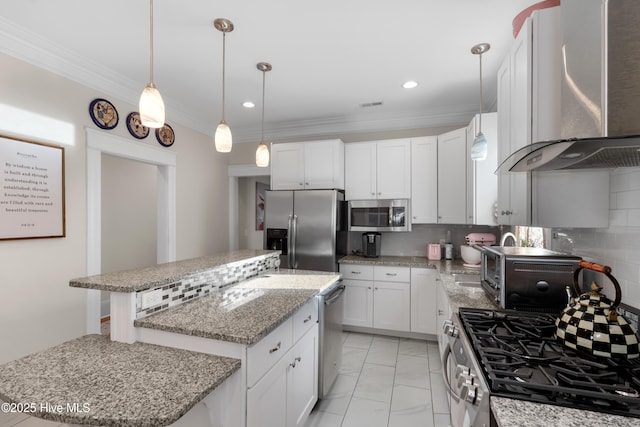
165 135
135 126
103 113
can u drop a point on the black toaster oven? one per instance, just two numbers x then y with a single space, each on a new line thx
527 279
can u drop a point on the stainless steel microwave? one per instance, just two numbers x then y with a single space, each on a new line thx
379 215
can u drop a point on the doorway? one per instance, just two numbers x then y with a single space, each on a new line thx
99 143
242 179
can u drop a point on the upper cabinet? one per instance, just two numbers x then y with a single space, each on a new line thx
482 182
529 110
307 165
378 170
424 180
452 154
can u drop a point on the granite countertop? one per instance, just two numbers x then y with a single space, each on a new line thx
243 313
113 383
443 266
157 275
520 413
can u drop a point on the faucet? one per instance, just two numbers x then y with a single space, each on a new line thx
505 236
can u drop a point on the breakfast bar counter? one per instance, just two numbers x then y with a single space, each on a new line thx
94 381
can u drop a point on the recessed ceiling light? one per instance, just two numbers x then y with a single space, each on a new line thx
248 104
410 84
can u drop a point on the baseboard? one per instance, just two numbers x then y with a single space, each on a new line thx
390 333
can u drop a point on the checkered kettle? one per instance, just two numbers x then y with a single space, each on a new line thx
592 323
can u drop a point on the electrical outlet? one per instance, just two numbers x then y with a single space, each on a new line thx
151 298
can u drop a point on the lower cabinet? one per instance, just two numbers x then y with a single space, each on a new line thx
443 313
423 303
285 395
390 298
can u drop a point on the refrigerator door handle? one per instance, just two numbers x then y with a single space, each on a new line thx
290 244
294 228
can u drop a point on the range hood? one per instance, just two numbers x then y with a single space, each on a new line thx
600 96
577 153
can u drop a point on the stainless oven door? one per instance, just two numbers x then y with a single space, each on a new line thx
467 390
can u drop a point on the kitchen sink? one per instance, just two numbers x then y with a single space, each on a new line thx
467 280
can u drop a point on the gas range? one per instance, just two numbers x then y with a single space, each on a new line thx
520 359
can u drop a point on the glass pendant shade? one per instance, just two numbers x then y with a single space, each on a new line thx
223 138
262 155
479 147
151 107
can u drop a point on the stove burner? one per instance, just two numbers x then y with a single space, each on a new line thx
521 359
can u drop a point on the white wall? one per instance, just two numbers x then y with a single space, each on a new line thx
37 307
249 237
617 246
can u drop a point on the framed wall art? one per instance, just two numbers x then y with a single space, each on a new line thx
32 203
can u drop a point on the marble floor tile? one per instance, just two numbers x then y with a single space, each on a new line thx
435 364
338 398
352 360
410 347
319 418
358 340
410 407
442 420
366 413
439 395
412 371
375 383
383 351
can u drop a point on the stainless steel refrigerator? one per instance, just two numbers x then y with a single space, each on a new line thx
308 226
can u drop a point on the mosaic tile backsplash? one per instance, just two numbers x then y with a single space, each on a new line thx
202 284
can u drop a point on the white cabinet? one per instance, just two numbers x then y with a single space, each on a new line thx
529 110
424 180
378 170
285 395
377 296
307 165
482 182
452 151
282 372
443 313
423 303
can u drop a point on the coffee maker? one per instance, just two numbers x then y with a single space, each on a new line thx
371 244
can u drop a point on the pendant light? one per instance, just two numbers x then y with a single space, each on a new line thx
151 106
222 137
262 153
479 147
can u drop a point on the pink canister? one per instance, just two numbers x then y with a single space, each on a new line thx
433 251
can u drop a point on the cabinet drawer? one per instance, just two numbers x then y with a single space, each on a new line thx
356 271
304 319
265 353
391 274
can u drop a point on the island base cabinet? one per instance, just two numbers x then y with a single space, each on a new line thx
285 395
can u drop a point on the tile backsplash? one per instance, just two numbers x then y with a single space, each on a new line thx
617 246
203 283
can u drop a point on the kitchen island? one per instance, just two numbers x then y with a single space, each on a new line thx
246 330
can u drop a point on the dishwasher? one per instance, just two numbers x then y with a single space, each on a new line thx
330 309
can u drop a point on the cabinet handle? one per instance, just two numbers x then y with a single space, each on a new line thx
306 183
440 312
368 287
376 288
356 272
307 319
276 348
392 274
373 194
295 362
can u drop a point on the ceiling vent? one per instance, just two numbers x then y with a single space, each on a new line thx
371 104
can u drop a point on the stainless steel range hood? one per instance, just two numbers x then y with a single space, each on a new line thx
600 98
582 153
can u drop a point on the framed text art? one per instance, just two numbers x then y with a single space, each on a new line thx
32 203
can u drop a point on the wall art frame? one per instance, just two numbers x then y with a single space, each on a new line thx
32 200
